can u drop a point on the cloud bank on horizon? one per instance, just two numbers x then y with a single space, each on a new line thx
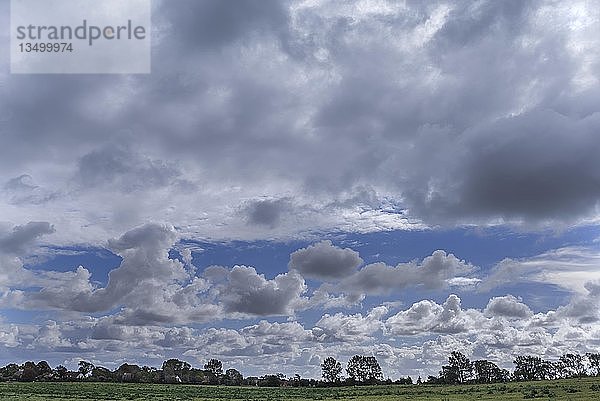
274 121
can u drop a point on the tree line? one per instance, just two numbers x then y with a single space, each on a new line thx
360 370
527 368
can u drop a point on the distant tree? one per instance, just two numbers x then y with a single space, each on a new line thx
128 373
461 365
354 368
44 370
102 374
270 381
251 381
9 371
214 366
149 374
373 369
295 381
449 375
502 376
483 371
200 376
331 370
594 361
364 369
30 372
406 380
175 371
85 369
528 368
489 372
572 365
175 365
61 372
233 378
549 370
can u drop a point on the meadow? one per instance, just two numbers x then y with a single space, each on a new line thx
569 390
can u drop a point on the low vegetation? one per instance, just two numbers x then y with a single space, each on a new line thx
584 389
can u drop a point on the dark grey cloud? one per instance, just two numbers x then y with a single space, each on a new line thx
124 168
325 261
61 120
543 166
22 236
536 166
267 212
210 24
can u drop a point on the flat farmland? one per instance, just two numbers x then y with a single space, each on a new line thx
568 390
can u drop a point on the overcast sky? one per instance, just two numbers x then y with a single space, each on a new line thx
303 179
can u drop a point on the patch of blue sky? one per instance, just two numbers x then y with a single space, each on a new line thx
98 261
267 257
481 247
20 316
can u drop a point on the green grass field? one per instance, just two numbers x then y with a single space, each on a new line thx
568 390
